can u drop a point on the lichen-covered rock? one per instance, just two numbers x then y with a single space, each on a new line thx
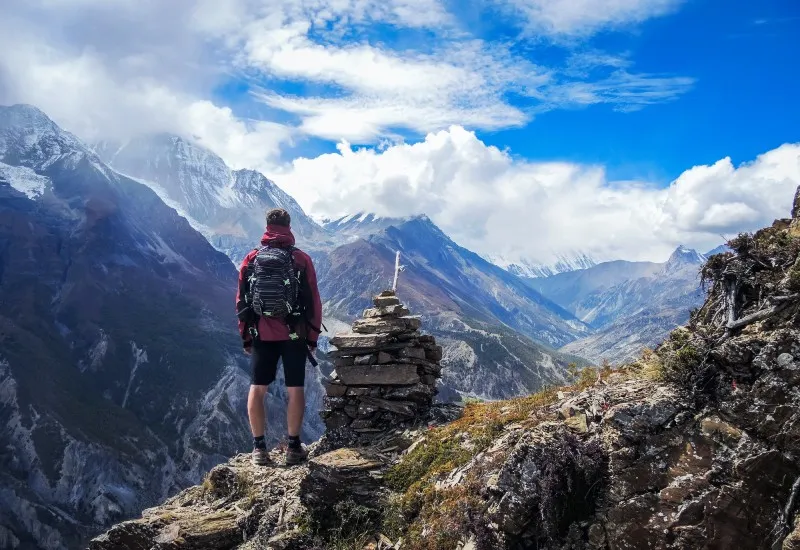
694 446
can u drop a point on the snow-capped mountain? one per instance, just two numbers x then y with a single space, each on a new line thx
228 206
362 225
562 263
683 262
120 374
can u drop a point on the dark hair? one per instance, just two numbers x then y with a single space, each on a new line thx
278 216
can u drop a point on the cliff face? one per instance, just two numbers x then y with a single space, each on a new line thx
692 446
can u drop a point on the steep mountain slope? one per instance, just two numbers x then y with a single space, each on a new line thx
119 361
227 205
640 312
472 306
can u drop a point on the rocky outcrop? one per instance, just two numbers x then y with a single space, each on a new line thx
386 373
695 445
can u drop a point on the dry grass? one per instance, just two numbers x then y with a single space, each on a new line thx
432 518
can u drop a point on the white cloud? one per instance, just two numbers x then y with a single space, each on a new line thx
106 83
110 70
460 81
584 17
496 205
626 91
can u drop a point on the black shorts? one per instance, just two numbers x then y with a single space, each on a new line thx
264 362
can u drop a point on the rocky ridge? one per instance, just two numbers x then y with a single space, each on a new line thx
386 373
694 445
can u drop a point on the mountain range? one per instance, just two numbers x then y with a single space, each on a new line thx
121 376
354 257
226 205
630 305
574 303
117 336
526 268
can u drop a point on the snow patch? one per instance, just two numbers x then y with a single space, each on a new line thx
163 249
97 352
139 358
24 180
164 196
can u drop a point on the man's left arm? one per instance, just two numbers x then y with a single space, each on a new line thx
316 305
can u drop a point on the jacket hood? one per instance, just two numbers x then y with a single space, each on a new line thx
277 236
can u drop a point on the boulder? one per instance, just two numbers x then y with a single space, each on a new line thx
359 341
366 359
340 474
387 311
384 375
395 325
413 353
418 392
335 389
385 301
403 408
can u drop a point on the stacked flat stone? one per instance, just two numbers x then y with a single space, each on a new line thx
385 372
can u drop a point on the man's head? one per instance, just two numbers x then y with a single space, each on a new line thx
278 216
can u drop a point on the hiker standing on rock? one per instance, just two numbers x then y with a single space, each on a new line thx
280 314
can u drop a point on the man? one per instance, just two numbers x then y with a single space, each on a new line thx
268 336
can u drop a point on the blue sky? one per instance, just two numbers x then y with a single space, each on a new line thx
742 101
524 128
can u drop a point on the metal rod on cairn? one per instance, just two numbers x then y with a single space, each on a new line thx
396 271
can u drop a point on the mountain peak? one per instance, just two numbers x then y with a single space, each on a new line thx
685 255
29 135
365 224
560 263
25 109
683 259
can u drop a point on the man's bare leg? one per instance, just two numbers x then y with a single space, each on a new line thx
295 410
256 411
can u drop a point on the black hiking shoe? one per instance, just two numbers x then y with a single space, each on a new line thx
295 455
260 457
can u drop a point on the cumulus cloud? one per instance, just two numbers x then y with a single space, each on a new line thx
112 69
458 80
111 72
496 205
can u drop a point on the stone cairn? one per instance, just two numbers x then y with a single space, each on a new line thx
385 373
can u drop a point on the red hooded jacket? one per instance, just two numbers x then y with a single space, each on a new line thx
273 330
